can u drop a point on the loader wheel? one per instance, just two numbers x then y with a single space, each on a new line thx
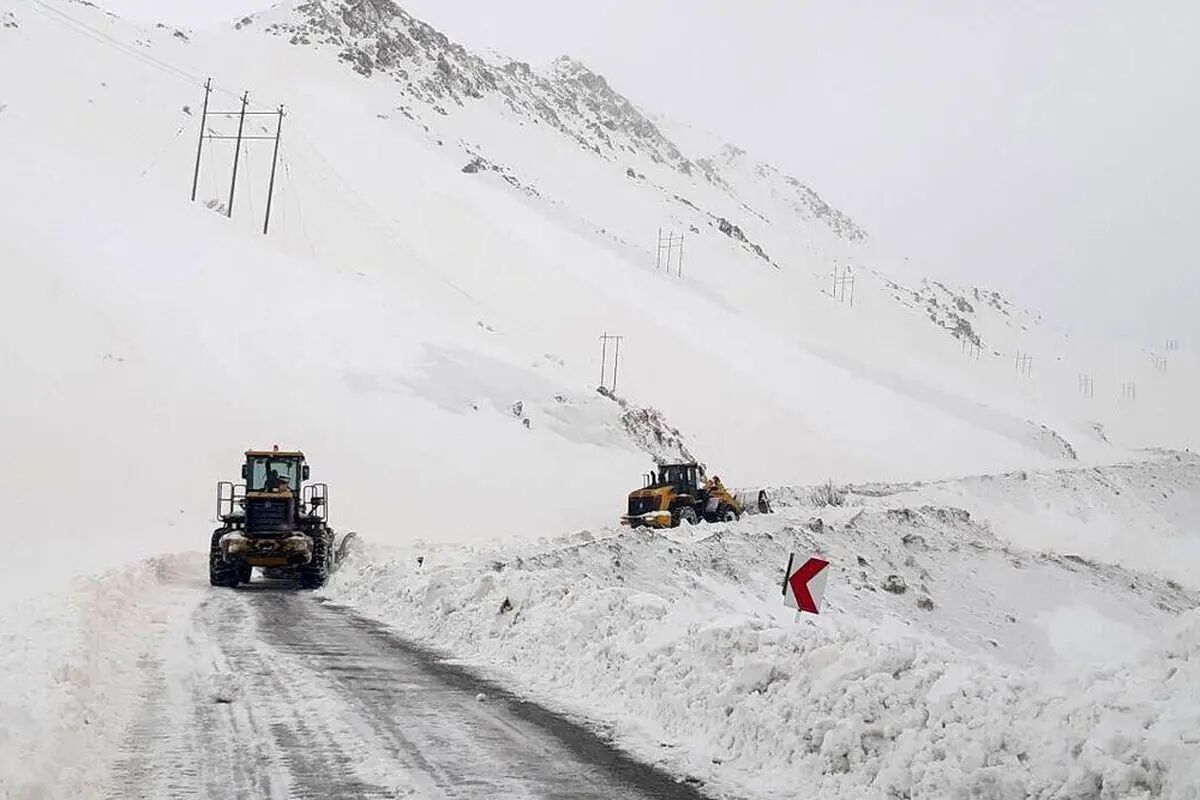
220 572
314 574
687 516
244 573
729 515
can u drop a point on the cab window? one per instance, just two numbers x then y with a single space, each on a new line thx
267 474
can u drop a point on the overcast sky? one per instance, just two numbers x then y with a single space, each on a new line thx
1051 149
1048 149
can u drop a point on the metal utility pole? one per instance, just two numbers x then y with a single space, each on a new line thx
1024 364
274 164
200 143
840 282
604 340
603 357
237 152
616 364
241 138
667 245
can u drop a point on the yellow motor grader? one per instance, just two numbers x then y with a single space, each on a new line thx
676 494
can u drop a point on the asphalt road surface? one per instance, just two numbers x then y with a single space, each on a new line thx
266 692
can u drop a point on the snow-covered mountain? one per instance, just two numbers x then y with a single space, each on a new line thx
377 36
451 235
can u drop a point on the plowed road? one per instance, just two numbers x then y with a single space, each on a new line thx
265 692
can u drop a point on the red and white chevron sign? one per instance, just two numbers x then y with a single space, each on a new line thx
804 587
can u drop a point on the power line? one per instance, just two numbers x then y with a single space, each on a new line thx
249 184
299 204
158 156
100 37
364 205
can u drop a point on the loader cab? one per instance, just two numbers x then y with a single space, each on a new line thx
684 478
274 471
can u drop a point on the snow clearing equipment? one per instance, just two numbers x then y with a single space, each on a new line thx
754 501
680 493
274 521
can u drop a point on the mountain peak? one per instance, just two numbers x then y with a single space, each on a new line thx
378 36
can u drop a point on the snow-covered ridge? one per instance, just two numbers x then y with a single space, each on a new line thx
378 36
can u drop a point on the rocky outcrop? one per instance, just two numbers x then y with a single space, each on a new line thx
378 38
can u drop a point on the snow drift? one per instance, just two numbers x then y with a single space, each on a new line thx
71 674
948 662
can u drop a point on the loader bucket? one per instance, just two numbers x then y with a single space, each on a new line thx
754 501
344 546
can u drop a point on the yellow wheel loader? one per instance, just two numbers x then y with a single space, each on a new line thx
677 494
275 521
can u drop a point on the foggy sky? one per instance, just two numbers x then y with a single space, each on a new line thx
1047 149
1051 150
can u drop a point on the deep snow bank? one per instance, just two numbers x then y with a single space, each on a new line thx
995 673
70 674
1144 515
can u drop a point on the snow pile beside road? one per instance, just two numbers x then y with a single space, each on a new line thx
70 677
1143 515
680 647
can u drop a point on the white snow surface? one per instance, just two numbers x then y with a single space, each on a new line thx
71 673
999 672
1032 674
430 337
401 308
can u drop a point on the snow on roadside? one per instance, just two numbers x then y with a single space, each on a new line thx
678 645
70 674
1144 515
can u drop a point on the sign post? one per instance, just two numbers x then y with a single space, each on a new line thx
804 586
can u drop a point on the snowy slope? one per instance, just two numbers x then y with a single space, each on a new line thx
402 307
